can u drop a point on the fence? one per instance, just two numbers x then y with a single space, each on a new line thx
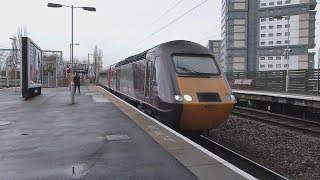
9 83
48 81
305 81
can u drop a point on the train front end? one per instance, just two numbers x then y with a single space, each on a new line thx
205 95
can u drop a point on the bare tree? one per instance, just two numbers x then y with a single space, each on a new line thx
21 32
49 63
98 62
2 63
13 58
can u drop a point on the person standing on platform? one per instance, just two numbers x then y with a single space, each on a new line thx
76 81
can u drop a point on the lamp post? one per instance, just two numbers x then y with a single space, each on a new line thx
318 72
15 62
71 51
53 5
287 49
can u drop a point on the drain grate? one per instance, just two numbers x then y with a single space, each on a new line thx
117 137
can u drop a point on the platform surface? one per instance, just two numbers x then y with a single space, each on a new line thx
48 138
290 95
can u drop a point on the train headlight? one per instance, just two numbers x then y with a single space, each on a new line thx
187 97
227 97
233 97
178 97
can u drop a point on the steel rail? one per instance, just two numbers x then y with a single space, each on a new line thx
279 120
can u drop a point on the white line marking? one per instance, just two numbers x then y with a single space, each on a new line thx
8 88
6 102
222 161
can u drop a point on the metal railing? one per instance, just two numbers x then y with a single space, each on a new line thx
9 82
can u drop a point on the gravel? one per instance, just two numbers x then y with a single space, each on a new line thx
292 154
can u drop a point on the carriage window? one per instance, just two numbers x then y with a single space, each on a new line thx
195 65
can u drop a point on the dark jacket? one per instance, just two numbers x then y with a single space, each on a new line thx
76 80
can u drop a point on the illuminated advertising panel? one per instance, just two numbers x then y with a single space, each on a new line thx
31 68
34 65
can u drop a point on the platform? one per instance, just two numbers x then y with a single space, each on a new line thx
99 137
304 100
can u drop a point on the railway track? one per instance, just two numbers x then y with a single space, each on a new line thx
280 120
236 159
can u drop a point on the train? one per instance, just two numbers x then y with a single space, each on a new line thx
178 83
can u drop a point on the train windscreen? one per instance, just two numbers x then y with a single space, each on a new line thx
195 65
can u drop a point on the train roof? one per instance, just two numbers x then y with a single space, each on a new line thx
133 58
172 45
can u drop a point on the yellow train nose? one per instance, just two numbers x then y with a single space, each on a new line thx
204 116
209 106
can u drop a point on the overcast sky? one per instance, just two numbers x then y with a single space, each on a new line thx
117 27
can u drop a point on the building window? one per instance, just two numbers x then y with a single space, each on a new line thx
262 58
263 4
279 2
270 34
270 58
287 17
287 25
270 27
279 26
270 65
263 27
278 58
270 42
279 18
285 65
263 43
271 3
263 19
287 41
278 42
262 66
271 19
286 33
278 65
279 34
288 1
263 35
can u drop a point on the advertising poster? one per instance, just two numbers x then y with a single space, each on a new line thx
35 66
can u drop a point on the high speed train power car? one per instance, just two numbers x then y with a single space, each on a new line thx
178 82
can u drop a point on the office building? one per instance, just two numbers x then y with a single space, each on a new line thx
215 47
255 34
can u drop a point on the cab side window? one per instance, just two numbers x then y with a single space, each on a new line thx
155 66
